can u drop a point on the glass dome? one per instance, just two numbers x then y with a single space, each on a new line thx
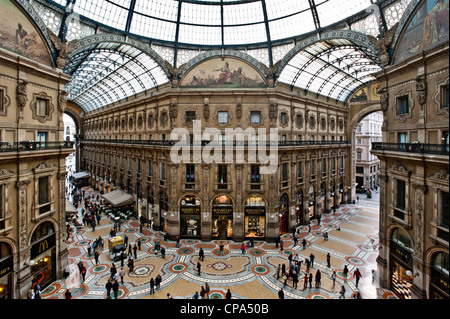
217 22
178 31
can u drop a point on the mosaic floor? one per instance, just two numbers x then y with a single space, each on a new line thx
248 276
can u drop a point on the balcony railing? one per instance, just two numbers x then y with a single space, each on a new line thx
34 146
233 143
419 148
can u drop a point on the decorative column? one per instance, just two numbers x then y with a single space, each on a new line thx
238 212
273 223
23 270
63 253
206 218
418 289
173 220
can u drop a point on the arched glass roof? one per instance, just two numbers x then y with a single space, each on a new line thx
180 30
217 22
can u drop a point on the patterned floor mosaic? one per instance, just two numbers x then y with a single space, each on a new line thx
353 234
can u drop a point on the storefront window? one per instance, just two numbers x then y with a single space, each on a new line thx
439 277
190 213
255 217
6 270
222 217
401 253
284 213
43 252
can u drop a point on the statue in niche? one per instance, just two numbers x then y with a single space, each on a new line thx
382 44
421 88
22 95
62 99
62 47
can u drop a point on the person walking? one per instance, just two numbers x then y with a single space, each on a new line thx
345 272
281 294
333 278
152 286
310 279
342 292
115 288
135 251
178 242
199 267
202 293
285 279
304 243
121 274
318 278
328 260
243 248
139 244
207 290
108 287
163 252
294 280
201 254
305 281
83 273
278 271
281 244
295 240
357 275
158 280
311 258
68 294
96 255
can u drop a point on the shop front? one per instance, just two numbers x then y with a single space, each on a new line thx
148 217
190 221
6 271
43 255
439 276
284 213
401 260
222 217
255 217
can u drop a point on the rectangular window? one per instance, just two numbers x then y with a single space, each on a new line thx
222 117
283 118
284 177
255 117
401 194
444 210
190 116
222 176
41 107
444 97
139 166
324 167
300 172
190 176
2 106
299 120
43 194
359 170
313 169
164 118
162 173
402 104
41 139
255 178
358 155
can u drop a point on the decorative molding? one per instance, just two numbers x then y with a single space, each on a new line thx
403 117
50 107
438 99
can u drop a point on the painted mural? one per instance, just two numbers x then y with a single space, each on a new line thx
223 73
367 93
429 26
18 35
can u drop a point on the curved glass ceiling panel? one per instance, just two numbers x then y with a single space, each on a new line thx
330 12
108 72
213 22
333 68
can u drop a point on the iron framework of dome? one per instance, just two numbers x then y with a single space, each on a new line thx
177 31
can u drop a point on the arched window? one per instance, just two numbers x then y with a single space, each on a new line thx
401 238
43 230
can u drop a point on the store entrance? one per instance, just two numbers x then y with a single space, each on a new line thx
222 218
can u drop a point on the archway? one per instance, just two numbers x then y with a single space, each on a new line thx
73 115
360 108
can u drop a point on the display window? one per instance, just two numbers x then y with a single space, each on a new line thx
190 212
43 255
6 271
222 217
255 217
